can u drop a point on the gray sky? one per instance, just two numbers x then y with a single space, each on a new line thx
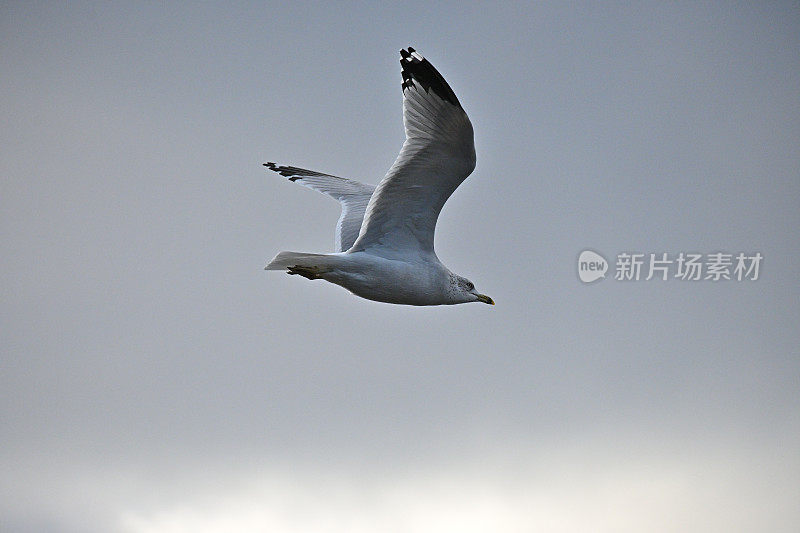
155 379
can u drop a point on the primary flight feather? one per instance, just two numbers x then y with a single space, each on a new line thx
384 237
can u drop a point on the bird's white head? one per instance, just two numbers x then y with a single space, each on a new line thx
463 290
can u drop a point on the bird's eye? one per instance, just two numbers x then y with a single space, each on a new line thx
470 286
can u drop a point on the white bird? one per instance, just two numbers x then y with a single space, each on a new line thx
384 237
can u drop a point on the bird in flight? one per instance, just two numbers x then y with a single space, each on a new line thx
384 236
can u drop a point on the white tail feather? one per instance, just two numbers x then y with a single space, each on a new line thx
284 260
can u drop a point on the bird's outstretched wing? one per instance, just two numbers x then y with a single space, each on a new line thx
438 154
353 195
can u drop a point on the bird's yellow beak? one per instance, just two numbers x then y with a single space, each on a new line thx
485 299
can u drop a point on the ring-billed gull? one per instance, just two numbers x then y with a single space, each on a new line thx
384 237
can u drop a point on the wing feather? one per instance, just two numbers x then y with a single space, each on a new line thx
351 194
437 156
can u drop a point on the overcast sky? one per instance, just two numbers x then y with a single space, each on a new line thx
155 379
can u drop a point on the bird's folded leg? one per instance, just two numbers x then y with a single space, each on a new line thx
308 272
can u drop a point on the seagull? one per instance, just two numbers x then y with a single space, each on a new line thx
384 236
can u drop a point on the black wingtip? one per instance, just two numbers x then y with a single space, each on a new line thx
417 69
293 173
283 171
